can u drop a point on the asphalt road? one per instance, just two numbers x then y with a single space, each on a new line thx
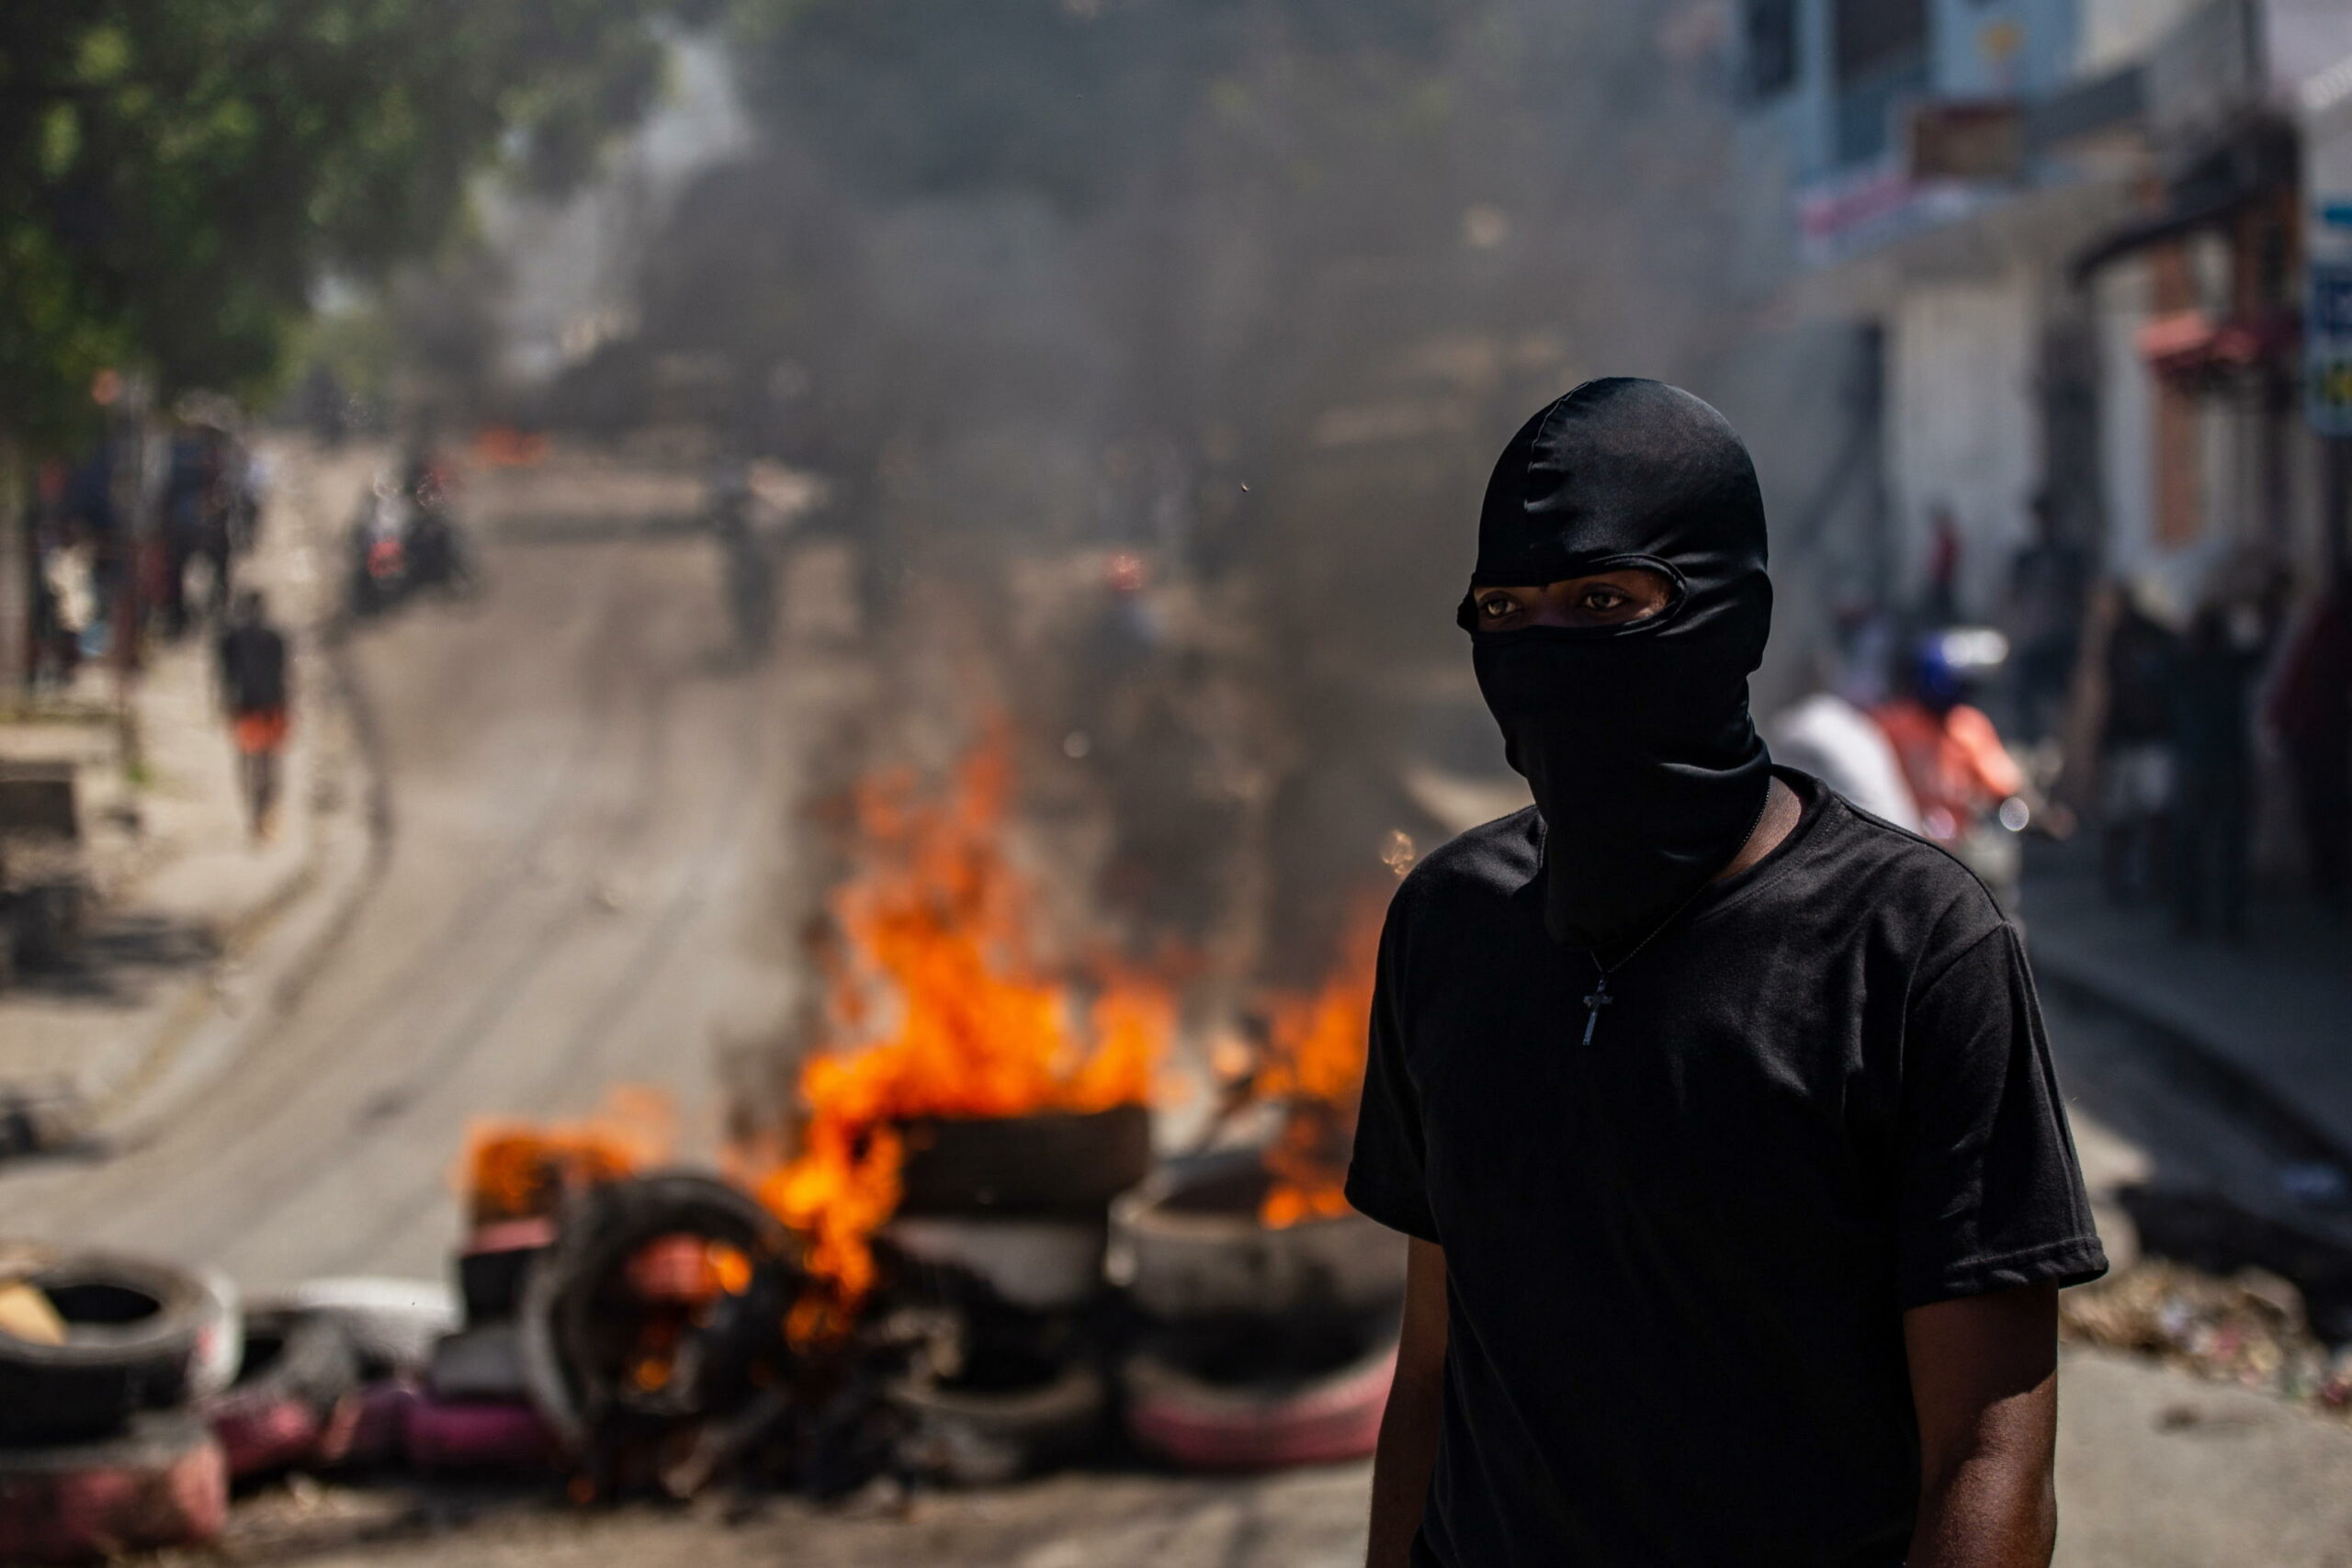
592 806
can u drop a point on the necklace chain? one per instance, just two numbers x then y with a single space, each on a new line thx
1601 997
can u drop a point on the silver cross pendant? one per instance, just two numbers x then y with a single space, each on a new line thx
1592 1006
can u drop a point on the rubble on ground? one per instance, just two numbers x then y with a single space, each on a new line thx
2249 1328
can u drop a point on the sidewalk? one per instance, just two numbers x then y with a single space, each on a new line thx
2273 1013
172 966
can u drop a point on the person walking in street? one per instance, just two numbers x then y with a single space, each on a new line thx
1720 1114
1941 606
2136 754
2310 711
2049 581
2210 694
256 691
1951 756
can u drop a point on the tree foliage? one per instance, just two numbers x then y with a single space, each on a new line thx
175 175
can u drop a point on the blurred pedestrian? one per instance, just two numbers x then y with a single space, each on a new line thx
256 689
1720 1114
1961 775
1941 607
2310 711
189 478
1831 735
91 528
2048 581
2136 754
2210 695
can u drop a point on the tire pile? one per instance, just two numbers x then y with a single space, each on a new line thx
1050 1297
1088 1298
135 1396
1258 1347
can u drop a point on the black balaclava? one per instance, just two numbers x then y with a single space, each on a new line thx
1635 739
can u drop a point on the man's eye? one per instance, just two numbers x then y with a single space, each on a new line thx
1603 601
1495 608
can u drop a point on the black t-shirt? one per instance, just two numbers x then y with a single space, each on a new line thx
1678 1257
253 669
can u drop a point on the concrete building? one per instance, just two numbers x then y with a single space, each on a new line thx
2070 228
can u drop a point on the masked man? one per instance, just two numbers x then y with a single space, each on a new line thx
1719 1114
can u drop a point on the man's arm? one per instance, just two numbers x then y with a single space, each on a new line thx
1409 1428
1985 1381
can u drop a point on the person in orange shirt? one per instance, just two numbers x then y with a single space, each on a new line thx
256 691
1960 773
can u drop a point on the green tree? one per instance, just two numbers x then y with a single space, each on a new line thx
175 175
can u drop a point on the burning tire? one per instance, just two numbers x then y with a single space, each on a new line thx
590 1302
1037 1265
162 1482
1187 1245
139 1335
1055 1163
446 1435
984 1437
295 1373
1261 1422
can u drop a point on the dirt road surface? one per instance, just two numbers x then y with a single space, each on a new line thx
590 805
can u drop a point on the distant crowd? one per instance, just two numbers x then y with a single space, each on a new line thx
114 541
2153 726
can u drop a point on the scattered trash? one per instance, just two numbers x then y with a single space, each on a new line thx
27 1314
2250 1330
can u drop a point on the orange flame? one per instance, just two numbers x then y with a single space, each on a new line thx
514 1169
1312 1063
940 1008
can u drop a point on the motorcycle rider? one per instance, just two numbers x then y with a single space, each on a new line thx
256 690
750 574
1972 796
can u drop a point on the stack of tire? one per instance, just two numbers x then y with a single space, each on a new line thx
1258 1347
1004 1224
474 1410
103 1363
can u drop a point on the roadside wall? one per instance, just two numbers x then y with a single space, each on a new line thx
1962 430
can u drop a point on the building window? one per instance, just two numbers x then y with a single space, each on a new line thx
1879 52
1772 57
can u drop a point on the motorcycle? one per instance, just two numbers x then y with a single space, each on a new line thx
380 552
400 545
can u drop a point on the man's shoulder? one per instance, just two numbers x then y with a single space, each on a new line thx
1494 859
1904 881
